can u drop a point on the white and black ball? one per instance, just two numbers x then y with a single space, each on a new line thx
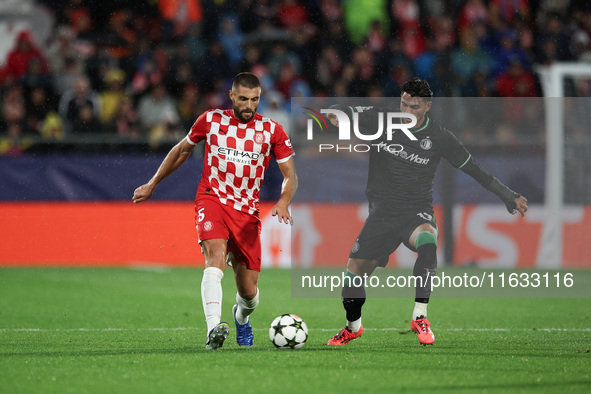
288 331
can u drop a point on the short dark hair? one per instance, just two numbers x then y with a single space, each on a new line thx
417 87
246 79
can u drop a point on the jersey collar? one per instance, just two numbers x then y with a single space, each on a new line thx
423 127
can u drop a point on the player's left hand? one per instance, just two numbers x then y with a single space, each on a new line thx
142 193
520 206
282 213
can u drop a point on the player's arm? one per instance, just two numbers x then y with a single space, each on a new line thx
288 189
514 202
173 160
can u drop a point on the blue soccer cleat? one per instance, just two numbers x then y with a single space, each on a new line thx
217 336
244 335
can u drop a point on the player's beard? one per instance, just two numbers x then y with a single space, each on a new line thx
245 115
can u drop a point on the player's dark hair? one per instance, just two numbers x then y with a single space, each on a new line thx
418 87
246 79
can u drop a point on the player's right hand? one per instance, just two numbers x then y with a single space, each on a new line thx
519 204
142 193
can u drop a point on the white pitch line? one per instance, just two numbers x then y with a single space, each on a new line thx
265 329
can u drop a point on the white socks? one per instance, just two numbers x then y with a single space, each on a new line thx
245 307
420 310
354 326
211 296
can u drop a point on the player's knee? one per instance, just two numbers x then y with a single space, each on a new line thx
248 294
246 282
247 288
215 259
214 253
248 300
361 266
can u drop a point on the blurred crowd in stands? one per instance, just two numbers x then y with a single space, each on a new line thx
143 70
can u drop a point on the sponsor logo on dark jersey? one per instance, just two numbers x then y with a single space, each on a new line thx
404 154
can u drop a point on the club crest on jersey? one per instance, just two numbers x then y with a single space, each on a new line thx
259 138
207 226
426 143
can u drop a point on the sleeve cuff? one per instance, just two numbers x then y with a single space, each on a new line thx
189 140
279 161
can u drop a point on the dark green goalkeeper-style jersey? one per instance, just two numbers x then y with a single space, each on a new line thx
401 171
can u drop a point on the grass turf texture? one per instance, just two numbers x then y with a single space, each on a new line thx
140 331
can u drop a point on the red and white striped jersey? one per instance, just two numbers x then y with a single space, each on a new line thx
237 155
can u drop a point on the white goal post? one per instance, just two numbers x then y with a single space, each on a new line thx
552 80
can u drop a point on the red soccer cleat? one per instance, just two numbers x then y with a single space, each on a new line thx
423 329
345 336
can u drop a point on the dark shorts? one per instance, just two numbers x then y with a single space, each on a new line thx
383 232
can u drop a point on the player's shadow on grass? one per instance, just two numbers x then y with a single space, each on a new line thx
128 352
440 350
397 348
91 353
508 387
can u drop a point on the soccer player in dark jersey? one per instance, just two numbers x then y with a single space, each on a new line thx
400 194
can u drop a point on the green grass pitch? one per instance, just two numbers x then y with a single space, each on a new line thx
103 330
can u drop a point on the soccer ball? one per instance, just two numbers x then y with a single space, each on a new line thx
288 332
